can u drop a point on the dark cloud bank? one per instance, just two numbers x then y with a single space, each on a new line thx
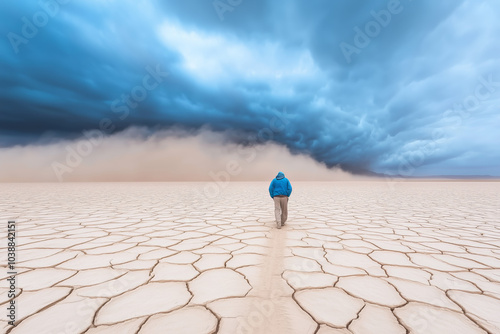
395 87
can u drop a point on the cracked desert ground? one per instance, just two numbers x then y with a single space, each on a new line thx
354 257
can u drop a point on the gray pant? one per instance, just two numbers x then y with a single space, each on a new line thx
281 209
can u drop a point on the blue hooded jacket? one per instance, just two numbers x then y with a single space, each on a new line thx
280 186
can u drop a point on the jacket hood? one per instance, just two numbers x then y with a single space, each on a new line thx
280 176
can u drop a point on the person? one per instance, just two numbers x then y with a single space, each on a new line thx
280 190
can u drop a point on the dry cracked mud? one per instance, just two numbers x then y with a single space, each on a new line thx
354 257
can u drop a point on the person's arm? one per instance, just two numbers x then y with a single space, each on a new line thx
271 188
289 188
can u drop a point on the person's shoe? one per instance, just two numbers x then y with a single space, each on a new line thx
278 225
282 224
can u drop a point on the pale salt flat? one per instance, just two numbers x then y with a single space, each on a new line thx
354 257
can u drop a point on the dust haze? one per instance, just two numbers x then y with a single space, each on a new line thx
167 155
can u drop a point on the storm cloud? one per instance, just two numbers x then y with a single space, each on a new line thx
395 87
136 154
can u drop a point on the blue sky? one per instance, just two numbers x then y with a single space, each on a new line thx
396 87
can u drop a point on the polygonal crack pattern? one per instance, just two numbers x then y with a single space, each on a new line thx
354 257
